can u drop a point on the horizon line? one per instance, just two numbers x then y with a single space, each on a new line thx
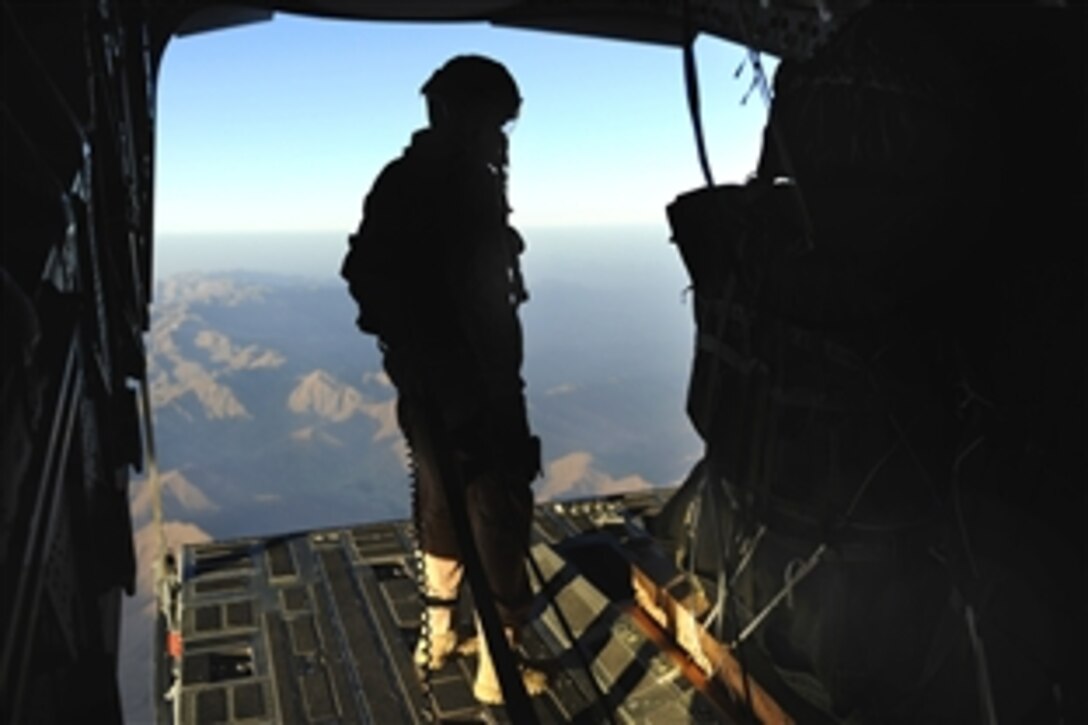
346 231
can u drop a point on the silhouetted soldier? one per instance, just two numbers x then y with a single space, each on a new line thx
434 268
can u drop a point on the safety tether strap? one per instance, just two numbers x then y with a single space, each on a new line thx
431 439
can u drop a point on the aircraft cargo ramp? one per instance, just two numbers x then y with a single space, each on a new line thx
319 627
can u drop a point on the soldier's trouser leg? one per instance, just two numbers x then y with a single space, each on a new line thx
442 568
500 513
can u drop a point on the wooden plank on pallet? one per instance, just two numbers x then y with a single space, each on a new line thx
668 597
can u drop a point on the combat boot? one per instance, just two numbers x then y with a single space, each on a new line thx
442 578
486 688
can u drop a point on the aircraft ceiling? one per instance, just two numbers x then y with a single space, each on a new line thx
787 29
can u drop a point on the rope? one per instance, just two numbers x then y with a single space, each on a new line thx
797 570
691 523
722 588
870 476
787 590
982 671
987 709
724 592
748 549
759 80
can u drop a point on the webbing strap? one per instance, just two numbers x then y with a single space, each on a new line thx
431 438
792 579
430 601
568 632
691 84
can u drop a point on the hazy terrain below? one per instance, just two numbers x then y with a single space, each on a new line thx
272 412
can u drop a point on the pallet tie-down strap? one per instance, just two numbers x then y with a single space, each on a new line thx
568 632
748 550
430 438
793 578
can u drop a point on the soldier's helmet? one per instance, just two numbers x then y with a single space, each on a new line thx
475 82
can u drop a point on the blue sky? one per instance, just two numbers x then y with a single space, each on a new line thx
282 126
